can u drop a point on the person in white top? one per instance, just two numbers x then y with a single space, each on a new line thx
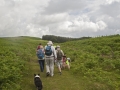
50 55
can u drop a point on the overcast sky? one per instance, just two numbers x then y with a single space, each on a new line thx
67 18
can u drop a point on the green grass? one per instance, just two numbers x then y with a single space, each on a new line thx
66 81
95 64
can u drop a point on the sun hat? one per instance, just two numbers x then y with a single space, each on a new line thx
58 46
50 43
68 58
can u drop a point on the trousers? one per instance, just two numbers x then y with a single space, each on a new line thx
41 63
50 65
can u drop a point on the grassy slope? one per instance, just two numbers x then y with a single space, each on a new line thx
67 81
97 60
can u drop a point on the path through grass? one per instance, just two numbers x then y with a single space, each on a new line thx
66 81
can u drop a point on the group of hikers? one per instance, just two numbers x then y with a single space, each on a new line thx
51 55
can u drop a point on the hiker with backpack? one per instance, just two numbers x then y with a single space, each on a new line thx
50 55
60 55
40 55
38 47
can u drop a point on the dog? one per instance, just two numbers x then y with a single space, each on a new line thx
38 82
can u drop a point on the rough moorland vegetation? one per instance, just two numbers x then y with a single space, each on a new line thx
15 52
96 60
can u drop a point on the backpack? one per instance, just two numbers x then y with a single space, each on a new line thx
40 54
48 51
59 55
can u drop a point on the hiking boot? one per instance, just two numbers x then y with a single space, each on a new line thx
47 74
51 75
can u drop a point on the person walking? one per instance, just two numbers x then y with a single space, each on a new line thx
60 55
64 61
68 60
40 55
50 55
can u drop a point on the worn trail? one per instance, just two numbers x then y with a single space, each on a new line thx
66 81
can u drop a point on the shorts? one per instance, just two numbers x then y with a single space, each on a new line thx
59 63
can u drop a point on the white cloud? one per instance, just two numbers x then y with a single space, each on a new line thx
111 1
50 19
101 25
117 31
73 18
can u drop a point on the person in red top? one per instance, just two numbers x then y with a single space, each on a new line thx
41 60
38 47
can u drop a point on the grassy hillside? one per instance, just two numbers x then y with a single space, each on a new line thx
95 64
97 60
15 52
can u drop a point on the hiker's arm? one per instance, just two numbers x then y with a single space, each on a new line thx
54 53
62 52
43 50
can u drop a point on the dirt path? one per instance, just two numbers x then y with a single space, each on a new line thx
66 81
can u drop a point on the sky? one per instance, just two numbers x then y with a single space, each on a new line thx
66 18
